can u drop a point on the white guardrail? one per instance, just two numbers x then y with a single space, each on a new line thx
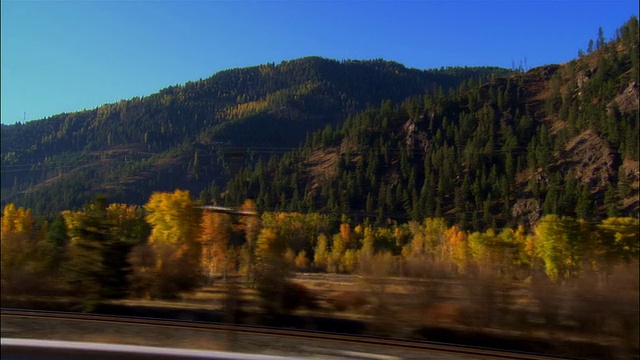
13 348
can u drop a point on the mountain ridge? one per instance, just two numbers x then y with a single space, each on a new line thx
257 106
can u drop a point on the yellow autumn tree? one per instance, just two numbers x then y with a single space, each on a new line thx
121 213
321 253
618 239
214 240
350 261
617 242
249 224
17 220
170 263
422 253
24 257
367 251
560 243
345 233
338 248
174 219
427 238
512 248
290 257
483 250
301 261
269 246
455 249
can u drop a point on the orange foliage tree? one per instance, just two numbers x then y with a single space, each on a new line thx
250 226
214 240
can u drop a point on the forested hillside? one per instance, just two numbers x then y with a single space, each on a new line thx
559 139
190 135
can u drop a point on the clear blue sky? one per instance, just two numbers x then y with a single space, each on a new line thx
63 56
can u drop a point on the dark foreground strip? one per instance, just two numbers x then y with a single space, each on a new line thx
269 331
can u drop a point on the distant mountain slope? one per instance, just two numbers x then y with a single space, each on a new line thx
558 139
185 136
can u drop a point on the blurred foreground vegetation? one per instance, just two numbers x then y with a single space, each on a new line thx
562 276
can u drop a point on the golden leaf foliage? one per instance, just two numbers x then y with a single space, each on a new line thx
170 262
427 237
23 254
483 249
297 231
345 233
321 256
368 242
214 240
16 220
120 214
269 245
250 226
350 261
174 218
301 261
456 248
290 257
338 248
184 243
560 243
619 238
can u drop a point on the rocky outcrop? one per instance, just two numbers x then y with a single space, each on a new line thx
628 100
590 159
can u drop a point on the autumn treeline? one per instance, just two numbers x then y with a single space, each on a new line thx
170 245
562 247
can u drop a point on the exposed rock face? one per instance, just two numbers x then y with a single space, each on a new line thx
322 166
409 129
414 137
628 100
630 170
589 159
528 209
582 79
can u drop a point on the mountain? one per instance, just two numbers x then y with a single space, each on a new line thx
558 139
481 147
190 135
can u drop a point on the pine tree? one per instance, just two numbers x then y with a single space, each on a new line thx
584 206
